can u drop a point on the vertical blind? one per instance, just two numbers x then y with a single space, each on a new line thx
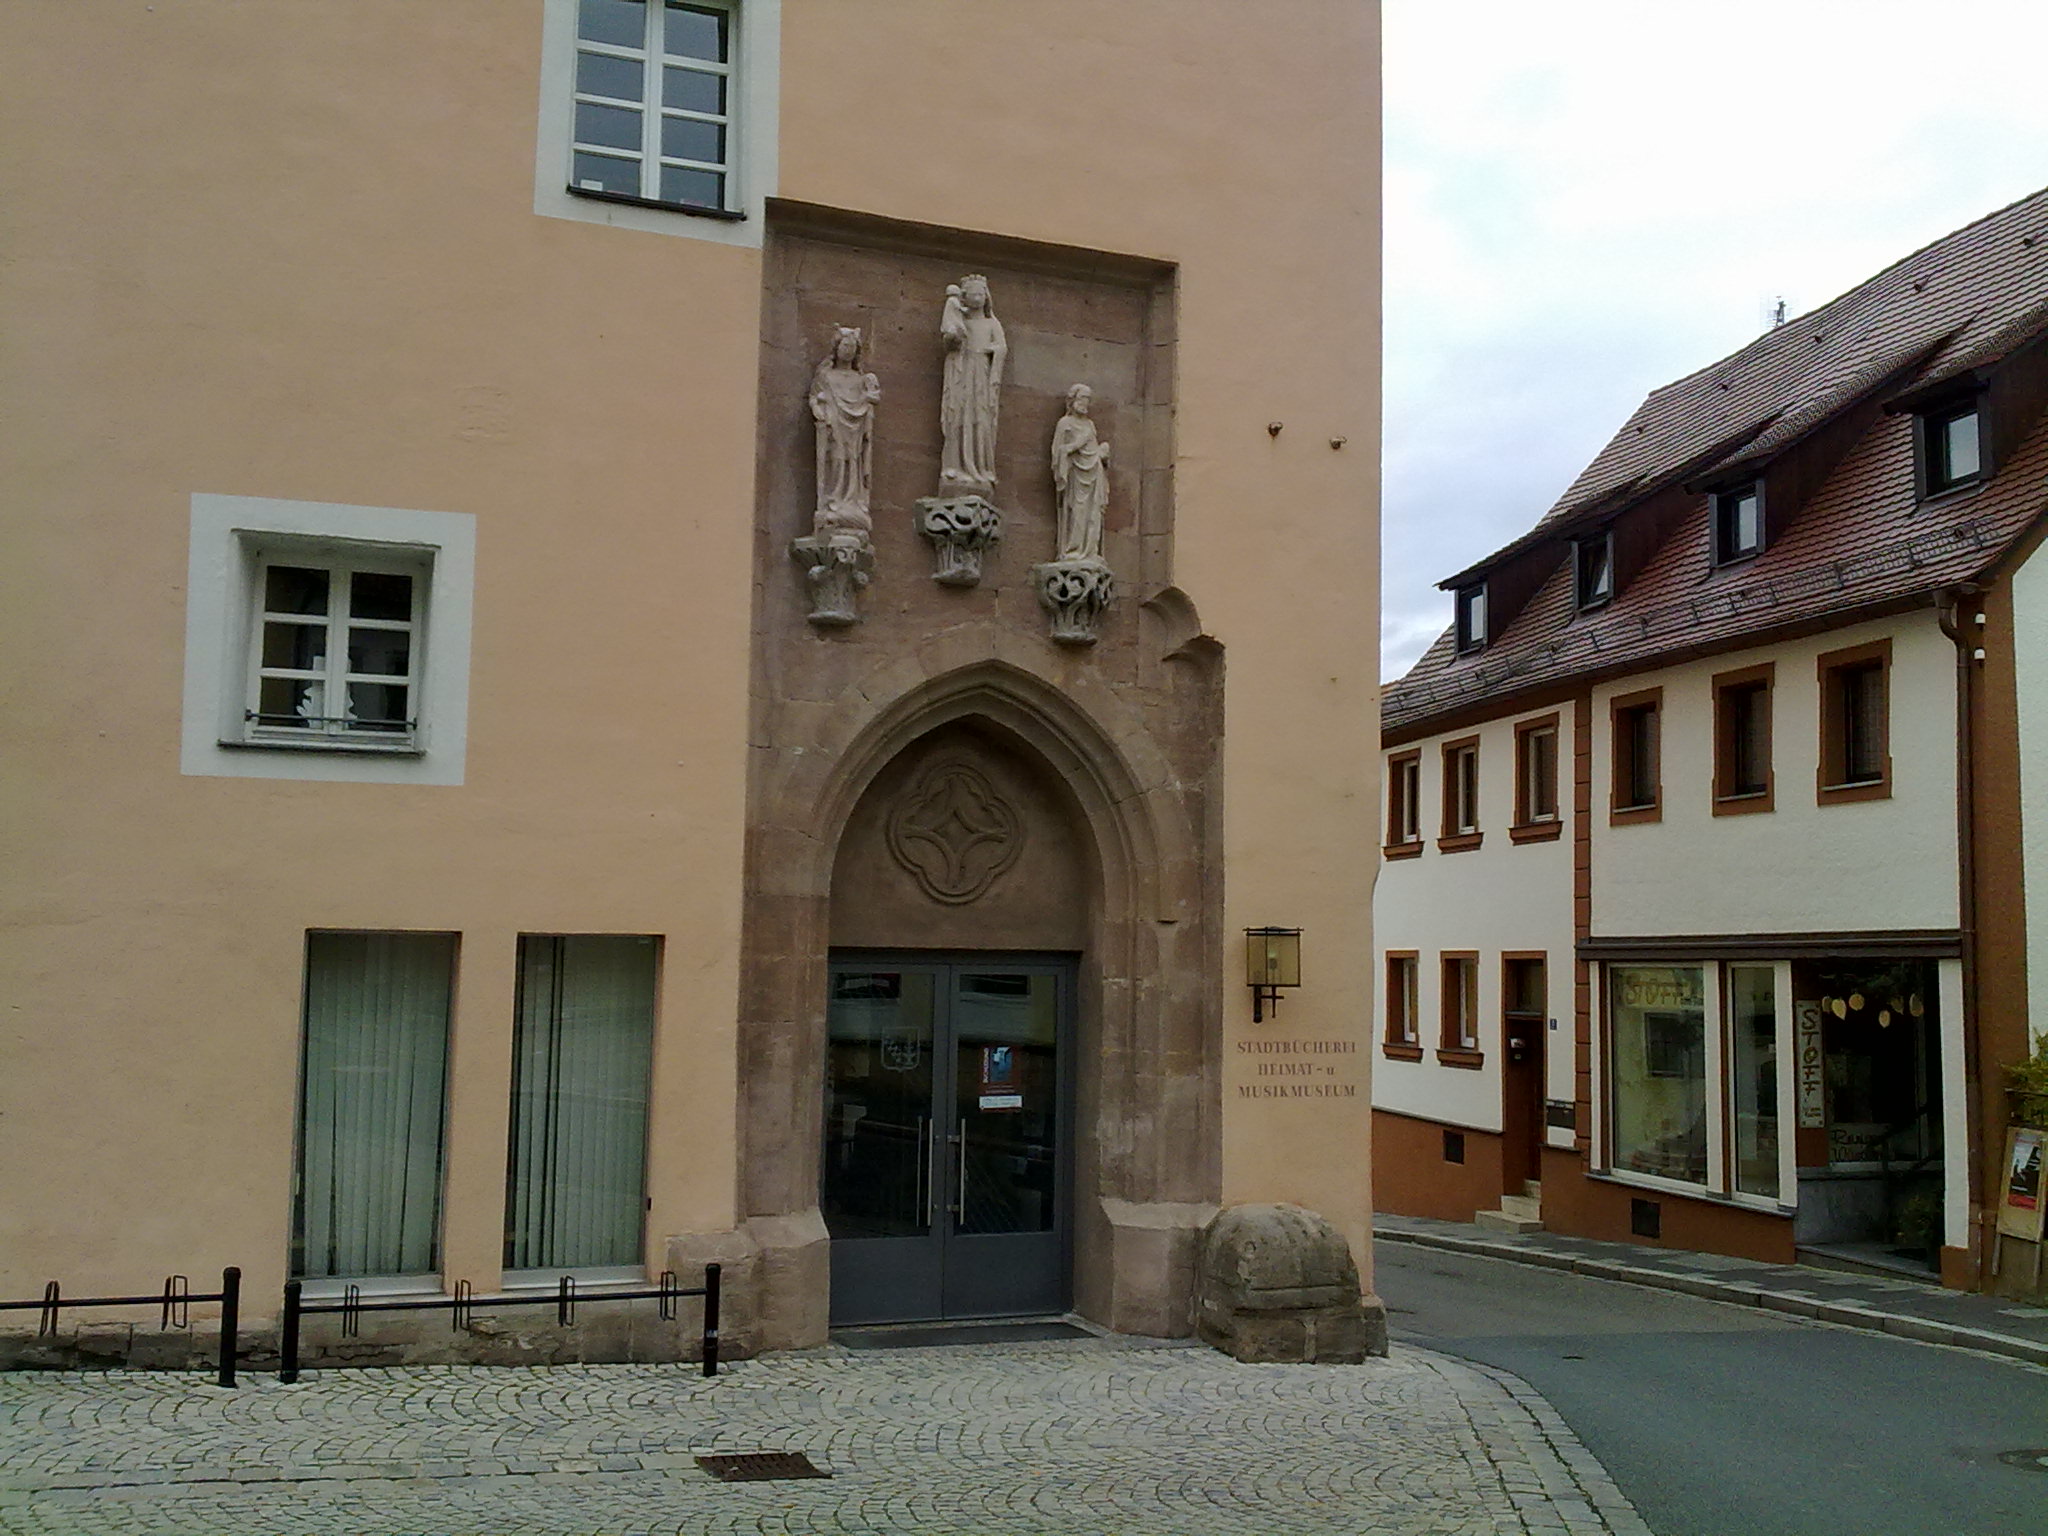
576 1185
371 1103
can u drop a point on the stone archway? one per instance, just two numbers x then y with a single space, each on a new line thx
1148 1169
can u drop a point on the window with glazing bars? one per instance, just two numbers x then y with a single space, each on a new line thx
655 102
335 656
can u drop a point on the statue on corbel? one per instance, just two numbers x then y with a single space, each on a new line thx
1077 585
962 521
838 556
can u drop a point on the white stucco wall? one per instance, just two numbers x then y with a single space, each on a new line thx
2030 675
1497 897
1873 864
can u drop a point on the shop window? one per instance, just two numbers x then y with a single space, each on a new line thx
1404 805
1472 634
582 1042
1855 739
1460 828
1593 562
1738 524
1458 1005
1881 1082
1657 1070
1951 448
372 1093
1536 756
1633 737
1404 1024
1752 992
1742 741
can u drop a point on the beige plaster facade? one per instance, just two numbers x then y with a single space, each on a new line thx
308 265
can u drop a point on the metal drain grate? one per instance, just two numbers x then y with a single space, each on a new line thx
759 1466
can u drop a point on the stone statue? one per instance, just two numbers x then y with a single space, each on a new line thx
838 556
1076 586
1080 474
843 406
975 349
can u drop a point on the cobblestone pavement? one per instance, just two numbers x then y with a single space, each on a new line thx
1071 1436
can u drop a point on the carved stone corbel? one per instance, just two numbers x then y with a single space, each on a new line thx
1074 592
835 568
962 529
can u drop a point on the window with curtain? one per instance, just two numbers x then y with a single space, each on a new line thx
576 1183
372 1095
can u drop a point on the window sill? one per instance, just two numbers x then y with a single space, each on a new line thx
1763 1205
588 1281
358 748
1755 804
1401 850
1634 815
1536 831
1464 1059
727 215
1848 794
1734 561
371 1287
1459 842
1400 1050
1954 492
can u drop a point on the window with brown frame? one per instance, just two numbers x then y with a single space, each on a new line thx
1461 796
1633 743
1855 721
1742 741
1404 805
1536 815
1458 1005
1404 1026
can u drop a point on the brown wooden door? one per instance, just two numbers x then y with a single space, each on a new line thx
1524 1031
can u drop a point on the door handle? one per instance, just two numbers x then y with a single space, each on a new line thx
959 1205
924 1169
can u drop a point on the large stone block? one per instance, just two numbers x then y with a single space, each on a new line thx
1279 1284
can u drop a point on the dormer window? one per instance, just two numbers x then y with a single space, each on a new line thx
1471 618
1595 565
1738 523
1951 447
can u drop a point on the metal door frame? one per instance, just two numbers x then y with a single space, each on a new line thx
1065 969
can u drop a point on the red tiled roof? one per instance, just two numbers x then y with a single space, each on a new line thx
1863 539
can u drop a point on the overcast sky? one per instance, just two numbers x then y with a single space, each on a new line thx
1588 198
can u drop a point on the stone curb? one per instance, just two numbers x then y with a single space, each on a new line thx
1739 1293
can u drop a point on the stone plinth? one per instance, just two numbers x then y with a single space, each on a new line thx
961 529
1074 592
1279 1285
835 568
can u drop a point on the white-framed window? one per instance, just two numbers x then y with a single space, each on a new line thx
654 102
659 115
326 641
334 655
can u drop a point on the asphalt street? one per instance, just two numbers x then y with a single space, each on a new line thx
1718 1420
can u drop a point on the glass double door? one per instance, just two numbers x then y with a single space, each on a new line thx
947 1141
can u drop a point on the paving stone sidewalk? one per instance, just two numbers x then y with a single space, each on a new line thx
1909 1308
1109 1436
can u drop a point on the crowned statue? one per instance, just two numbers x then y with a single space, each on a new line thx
843 407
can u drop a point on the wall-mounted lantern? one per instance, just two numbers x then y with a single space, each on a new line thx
1272 960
